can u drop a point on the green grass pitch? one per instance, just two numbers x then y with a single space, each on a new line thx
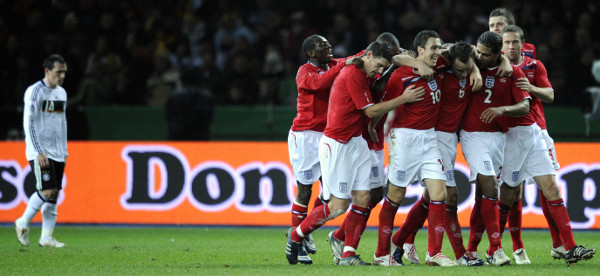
247 251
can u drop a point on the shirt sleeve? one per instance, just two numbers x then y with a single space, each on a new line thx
541 76
33 103
311 80
358 88
518 93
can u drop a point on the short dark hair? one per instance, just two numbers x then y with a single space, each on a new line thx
422 37
380 49
389 38
504 12
461 51
513 29
309 44
491 40
51 59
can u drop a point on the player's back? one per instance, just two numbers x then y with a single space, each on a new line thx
456 94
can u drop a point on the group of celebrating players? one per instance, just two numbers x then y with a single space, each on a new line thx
490 93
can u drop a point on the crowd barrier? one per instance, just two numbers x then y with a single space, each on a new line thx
237 183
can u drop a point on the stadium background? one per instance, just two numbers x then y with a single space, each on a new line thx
136 68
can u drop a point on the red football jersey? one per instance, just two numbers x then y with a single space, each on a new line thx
421 114
528 50
535 72
314 85
350 94
496 91
379 127
456 94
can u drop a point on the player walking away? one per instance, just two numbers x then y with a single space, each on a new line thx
344 154
373 134
526 155
482 138
414 154
500 18
314 80
45 127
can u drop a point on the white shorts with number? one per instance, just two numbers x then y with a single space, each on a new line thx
551 153
346 167
377 168
484 152
551 150
414 156
525 155
303 147
447 144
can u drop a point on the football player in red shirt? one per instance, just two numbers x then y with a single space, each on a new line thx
344 154
482 138
314 80
530 158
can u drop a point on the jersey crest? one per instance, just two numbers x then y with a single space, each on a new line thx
489 81
432 85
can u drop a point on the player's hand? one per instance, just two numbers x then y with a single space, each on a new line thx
425 71
351 60
373 135
43 161
504 69
523 83
488 115
413 94
475 81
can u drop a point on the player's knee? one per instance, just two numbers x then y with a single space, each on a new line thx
50 194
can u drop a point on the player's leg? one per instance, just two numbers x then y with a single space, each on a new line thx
558 211
435 223
415 219
391 202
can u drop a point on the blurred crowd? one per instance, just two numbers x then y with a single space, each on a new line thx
141 52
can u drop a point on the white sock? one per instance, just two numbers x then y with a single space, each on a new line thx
33 207
48 220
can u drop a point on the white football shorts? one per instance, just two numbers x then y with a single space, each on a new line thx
525 155
484 152
377 168
303 147
447 143
414 156
346 167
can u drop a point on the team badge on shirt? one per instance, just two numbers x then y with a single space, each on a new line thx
432 85
462 83
515 176
343 187
400 175
308 174
450 175
489 81
487 165
375 172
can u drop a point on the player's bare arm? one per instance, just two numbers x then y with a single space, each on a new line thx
371 128
504 69
546 94
516 110
475 78
422 68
